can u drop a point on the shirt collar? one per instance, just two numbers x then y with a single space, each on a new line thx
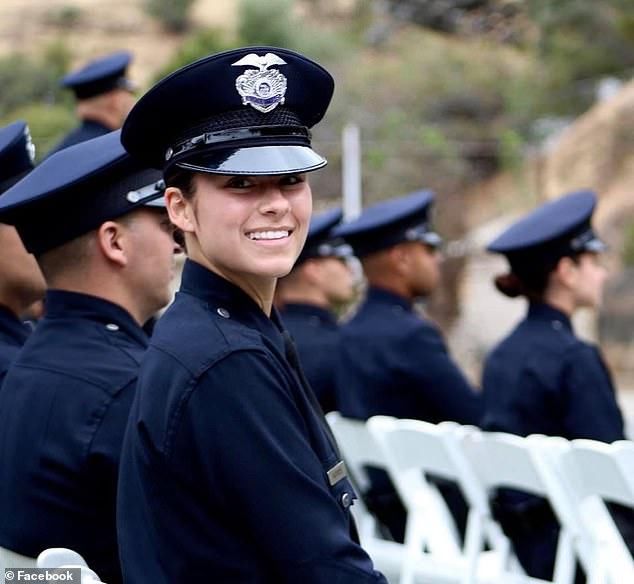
12 326
383 296
63 303
302 309
230 301
547 312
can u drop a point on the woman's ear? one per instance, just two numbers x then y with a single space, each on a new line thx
566 271
111 242
180 209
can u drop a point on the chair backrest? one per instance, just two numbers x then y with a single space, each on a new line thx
10 559
503 461
595 472
358 447
67 558
412 448
596 468
56 557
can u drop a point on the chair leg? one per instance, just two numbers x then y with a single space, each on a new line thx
472 548
565 561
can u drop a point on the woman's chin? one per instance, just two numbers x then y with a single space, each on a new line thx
277 268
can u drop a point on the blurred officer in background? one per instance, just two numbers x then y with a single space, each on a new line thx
96 223
320 282
228 472
21 282
103 94
542 379
393 361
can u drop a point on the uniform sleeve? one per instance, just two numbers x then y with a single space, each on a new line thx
255 454
104 450
590 409
99 478
434 372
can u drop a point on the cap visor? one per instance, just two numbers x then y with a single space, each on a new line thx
257 160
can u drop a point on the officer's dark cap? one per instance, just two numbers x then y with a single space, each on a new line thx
100 76
17 153
390 222
320 242
245 111
75 190
554 230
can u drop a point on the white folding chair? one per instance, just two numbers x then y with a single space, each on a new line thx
595 473
412 448
10 559
502 460
482 529
66 558
359 451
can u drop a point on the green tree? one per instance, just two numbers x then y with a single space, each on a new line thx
267 23
173 14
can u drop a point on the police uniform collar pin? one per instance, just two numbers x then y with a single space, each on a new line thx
262 88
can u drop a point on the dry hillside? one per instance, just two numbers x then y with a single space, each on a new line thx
101 26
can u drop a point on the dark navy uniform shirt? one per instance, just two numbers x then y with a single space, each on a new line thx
395 363
64 406
87 130
13 334
542 379
225 461
316 335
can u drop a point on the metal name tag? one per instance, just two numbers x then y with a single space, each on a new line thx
337 473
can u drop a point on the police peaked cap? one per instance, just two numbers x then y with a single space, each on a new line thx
16 153
244 111
320 242
75 190
554 230
390 222
100 76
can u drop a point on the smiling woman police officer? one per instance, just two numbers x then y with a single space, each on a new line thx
228 472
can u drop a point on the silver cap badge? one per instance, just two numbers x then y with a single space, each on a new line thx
262 88
30 147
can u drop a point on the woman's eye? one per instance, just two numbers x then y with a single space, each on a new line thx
238 182
292 179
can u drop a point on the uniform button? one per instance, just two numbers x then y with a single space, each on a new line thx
557 325
223 312
111 326
346 500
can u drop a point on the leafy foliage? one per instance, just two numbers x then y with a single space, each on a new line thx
267 23
173 14
26 80
198 45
